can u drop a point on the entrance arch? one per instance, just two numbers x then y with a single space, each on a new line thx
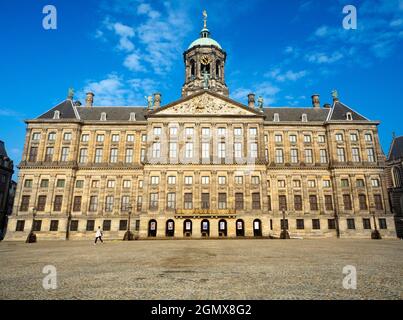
205 228
257 228
152 228
187 228
222 228
240 228
170 228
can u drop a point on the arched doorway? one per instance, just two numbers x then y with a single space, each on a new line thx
257 228
222 228
205 228
187 228
170 228
152 228
240 228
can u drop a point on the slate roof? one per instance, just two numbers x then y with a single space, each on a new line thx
112 113
340 110
295 114
396 149
3 152
65 108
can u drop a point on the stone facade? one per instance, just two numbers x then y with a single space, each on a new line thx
395 181
6 187
202 166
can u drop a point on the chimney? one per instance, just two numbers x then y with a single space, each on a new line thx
89 99
157 100
251 100
315 100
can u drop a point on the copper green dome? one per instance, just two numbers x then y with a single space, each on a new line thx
205 40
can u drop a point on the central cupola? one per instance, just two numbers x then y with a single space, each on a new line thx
204 65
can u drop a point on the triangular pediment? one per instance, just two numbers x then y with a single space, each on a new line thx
205 104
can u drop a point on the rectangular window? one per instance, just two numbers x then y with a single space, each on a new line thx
308 156
122 225
54 225
269 208
189 150
115 138
106 225
221 131
313 202
315 224
300 224
139 203
294 155
156 150
368 137
33 154
171 180
154 201
221 150
281 183
93 204
173 152
127 184
173 131
77 204
129 156
125 203
85 138
110 184
307 138
239 201
188 201
331 224
171 200
296 183
41 203
382 223
130 138
222 201
253 132
109 203
74 225
205 201
278 138
339 137
341 155
36 136
360 183
321 139
67 136
255 180
189 131
222 180
355 153
363 201
65 154
155 180
37 225
28 183
90 225
143 138
298 203
205 150
328 202
20 226
284 224
57 205
205 180
44 183
256 201
354 137
375 183
323 156
114 155
311 183
282 201
253 150
293 138
79 184
351 224
237 132
366 223
239 180
344 183
206 132
347 202
279 156
378 202
98 155
188 180
83 158
371 155
237 150
326 183
100 138
49 154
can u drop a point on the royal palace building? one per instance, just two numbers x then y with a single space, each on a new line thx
204 166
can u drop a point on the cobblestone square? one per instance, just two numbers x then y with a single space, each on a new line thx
197 269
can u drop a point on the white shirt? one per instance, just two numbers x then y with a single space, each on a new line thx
99 233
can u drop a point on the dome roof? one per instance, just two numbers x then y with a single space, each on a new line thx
204 42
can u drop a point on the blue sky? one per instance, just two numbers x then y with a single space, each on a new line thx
126 49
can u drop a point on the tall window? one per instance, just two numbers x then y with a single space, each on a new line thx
57 205
114 155
157 131
52 136
129 156
65 154
109 203
100 138
83 158
125 203
24 203
189 150
130 138
253 150
77 204
171 200
67 136
173 150
368 137
156 150
188 201
222 201
347 202
308 156
237 150
153 201
205 200
396 180
205 150
93 203
328 202
222 131
298 203
294 155
33 154
256 201
239 201
323 156
363 201
279 156
378 202
282 201
221 150
339 137
49 154
41 203
115 138
371 155
341 155
355 152
313 202
171 180
98 155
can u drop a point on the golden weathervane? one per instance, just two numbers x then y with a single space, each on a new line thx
205 18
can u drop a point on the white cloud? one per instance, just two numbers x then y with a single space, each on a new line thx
323 58
286 76
322 31
264 89
132 62
125 33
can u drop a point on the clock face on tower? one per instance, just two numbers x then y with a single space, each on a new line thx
205 60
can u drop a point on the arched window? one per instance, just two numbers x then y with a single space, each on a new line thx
349 116
170 228
187 228
205 228
192 68
396 179
276 117
103 116
222 228
132 116
217 69
240 228
304 117
56 115
257 228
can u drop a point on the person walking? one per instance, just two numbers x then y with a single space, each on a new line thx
98 235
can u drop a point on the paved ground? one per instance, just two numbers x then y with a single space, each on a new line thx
203 269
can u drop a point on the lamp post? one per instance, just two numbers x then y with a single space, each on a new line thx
128 234
284 232
68 226
32 236
375 234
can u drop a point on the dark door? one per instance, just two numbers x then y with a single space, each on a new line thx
205 228
257 228
240 228
170 228
152 228
187 228
222 228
